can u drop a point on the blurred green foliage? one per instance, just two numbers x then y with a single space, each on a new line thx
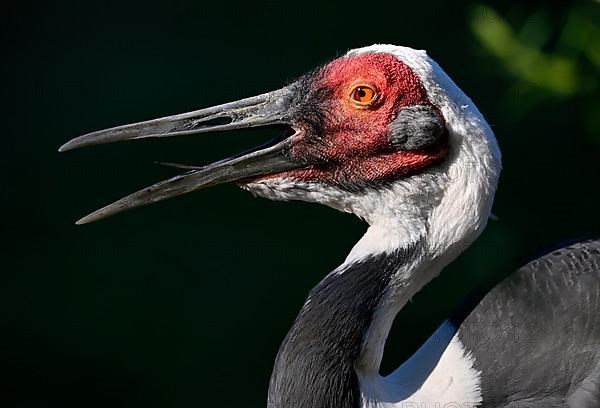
184 304
546 59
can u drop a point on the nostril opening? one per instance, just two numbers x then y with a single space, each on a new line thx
220 121
194 124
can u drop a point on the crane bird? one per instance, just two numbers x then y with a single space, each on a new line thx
382 132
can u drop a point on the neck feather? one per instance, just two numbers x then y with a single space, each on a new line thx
419 226
315 364
341 331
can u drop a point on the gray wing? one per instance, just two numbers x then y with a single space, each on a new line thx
536 336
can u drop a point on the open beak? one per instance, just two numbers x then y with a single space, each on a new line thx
263 110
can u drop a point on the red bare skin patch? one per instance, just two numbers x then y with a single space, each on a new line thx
353 146
384 167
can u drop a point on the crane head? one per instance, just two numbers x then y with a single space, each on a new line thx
356 124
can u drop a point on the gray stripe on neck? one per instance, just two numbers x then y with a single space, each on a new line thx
315 364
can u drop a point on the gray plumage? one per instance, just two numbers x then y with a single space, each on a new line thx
416 127
536 336
314 367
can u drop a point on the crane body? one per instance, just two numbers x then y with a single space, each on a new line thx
382 132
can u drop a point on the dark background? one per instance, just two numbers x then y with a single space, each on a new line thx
184 303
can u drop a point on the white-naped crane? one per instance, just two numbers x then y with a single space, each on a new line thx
384 133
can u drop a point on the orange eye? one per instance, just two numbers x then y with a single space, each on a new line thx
363 94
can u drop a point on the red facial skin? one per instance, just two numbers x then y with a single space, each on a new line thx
354 146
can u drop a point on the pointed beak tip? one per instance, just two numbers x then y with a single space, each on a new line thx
78 142
88 219
66 147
